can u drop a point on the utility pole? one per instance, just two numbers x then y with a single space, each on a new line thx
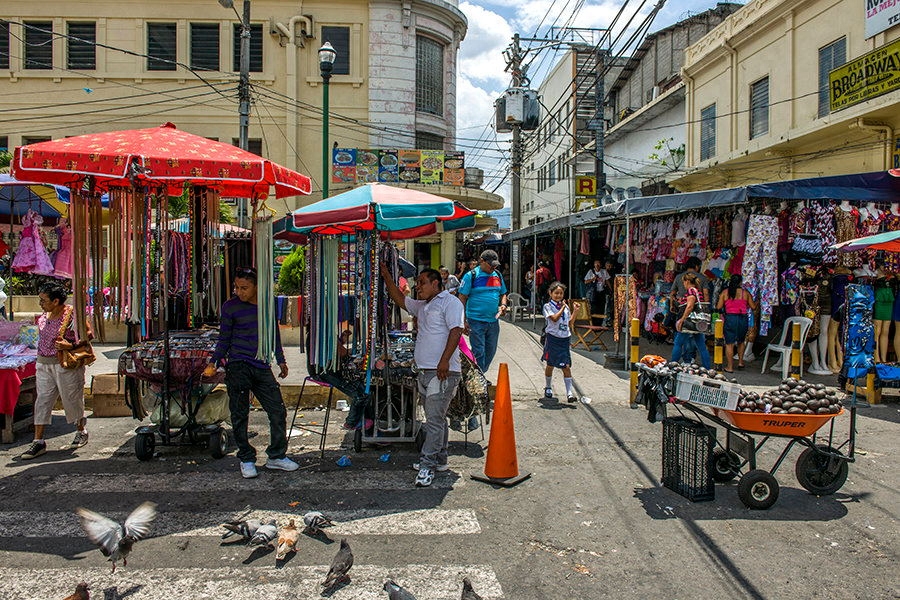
514 67
599 125
244 102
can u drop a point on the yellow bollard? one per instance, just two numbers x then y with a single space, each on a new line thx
635 333
796 354
719 348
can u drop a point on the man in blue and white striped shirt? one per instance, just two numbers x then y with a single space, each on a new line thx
244 373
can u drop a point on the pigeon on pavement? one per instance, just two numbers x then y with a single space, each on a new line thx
265 534
245 529
315 521
397 592
287 540
468 593
81 593
340 565
116 540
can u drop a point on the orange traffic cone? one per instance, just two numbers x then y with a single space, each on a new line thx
501 466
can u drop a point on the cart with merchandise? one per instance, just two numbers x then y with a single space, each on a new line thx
795 411
183 409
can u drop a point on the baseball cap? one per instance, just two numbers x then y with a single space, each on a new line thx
491 258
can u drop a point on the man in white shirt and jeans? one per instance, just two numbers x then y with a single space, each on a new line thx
441 320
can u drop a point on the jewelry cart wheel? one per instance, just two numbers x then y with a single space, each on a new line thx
758 489
821 470
357 440
218 443
725 465
420 438
144 444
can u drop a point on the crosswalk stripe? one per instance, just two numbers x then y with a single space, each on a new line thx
432 582
198 482
357 522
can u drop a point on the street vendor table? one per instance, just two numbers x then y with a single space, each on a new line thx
11 385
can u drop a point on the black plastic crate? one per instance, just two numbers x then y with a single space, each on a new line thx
687 449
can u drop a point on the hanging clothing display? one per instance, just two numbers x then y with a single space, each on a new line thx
892 259
846 222
869 225
799 222
63 259
761 266
32 256
823 225
808 306
739 228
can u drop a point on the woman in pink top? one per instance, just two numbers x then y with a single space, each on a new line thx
737 303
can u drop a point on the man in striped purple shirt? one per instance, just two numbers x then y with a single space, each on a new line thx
244 373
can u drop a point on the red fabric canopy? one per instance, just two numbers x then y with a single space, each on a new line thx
163 155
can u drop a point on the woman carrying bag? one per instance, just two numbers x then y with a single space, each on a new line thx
691 315
60 368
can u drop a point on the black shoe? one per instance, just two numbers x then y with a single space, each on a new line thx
36 448
572 398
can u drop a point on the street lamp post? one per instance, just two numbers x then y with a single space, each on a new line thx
243 93
327 55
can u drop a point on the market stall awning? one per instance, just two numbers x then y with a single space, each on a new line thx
163 155
879 186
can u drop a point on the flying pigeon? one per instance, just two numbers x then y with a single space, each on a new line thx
468 593
81 593
287 540
245 529
340 565
265 534
116 540
396 592
315 521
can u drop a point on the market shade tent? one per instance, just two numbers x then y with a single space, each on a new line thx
157 156
18 197
888 241
398 213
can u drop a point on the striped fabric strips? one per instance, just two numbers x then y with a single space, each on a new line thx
262 235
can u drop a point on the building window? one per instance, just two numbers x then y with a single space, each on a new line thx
551 177
759 108
254 145
205 46
340 39
4 143
161 47
830 57
256 48
429 141
429 76
38 45
4 45
708 132
34 139
81 51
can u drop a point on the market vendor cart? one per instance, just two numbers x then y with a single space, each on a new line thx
180 408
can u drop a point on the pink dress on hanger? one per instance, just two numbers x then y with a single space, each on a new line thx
31 256
64 261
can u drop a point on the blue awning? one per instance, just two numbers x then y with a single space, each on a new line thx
879 186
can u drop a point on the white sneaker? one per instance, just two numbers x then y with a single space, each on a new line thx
248 470
439 468
282 464
425 477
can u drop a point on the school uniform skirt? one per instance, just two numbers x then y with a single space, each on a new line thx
557 352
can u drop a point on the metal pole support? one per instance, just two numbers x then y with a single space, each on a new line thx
635 335
796 351
719 348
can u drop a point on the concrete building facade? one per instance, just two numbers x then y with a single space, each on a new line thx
759 104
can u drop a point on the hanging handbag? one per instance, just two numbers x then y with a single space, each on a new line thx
74 357
807 249
699 320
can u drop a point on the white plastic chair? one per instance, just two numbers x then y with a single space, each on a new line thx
517 306
784 346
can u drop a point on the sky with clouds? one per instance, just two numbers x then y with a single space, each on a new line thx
481 77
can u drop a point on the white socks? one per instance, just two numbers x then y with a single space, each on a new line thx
568 381
548 382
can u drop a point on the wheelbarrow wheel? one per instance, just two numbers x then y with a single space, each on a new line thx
218 443
725 465
821 470
144 444
758 489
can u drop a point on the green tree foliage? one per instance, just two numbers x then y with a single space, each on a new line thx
290 278
667 156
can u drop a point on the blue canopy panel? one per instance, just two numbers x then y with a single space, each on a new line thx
879 186
684 201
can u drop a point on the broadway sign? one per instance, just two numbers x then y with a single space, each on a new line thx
870 75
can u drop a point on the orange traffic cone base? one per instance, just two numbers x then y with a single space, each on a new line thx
508 482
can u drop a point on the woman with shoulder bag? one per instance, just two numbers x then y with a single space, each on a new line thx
685 339
58 341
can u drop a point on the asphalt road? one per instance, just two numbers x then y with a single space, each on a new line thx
592 522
